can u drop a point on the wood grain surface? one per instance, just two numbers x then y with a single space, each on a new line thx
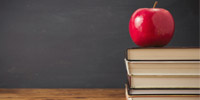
62 94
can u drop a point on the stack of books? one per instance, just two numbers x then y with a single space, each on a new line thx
163 74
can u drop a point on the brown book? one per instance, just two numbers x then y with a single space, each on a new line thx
163 54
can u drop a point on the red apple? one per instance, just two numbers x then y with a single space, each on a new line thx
151 27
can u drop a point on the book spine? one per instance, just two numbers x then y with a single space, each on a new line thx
129 81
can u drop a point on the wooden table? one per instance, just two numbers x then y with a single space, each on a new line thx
62 94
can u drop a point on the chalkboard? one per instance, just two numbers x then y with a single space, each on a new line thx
77 43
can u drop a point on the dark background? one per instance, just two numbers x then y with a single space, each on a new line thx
77 43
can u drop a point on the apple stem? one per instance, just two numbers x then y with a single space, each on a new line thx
156 2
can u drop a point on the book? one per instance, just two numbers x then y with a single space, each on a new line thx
163 54
164 81
162 91
163 67
130 96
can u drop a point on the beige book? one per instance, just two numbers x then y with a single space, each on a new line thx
163 54
160 97
163 67
164 81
